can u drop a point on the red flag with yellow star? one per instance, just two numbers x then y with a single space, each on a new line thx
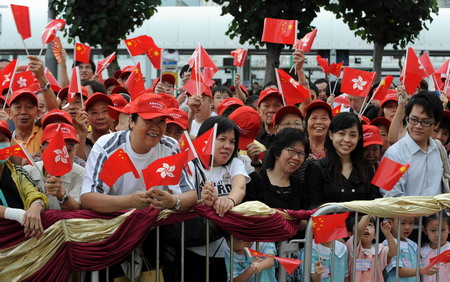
279 31
292 91
14 150
441 258
82 53
337 110
330 227
389 173
135 82
289 264
323 63
133 46
115 166
336 68
153 52
383 88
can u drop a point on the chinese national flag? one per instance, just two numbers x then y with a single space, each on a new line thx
383 88
75 84
412 72
135 82
50 30
292 91
23 80
186 145
279 31
323 63
57 49
338 109
22 18
115 166
7 74
55 157
204 145
134 46
165 171
239 55
388 173
82 53
54 84
342 99
441 258
306 42
336 69
426 63
289 264
153 52
330 227
103 64
14 150
357 82
444 68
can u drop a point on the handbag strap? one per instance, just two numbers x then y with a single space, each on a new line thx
444 158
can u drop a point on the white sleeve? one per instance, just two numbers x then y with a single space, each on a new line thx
237 167
94 164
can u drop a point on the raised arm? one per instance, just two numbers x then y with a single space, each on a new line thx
36 66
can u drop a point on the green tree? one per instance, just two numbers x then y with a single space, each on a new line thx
396 22
248 23
103 22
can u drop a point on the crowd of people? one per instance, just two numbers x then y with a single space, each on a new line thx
286 156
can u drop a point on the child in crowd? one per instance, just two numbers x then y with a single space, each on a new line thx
429 250
245 267
321 262
408 252
365 258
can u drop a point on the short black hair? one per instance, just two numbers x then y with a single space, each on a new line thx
430 103
221 89
314 88
229 110
184 69
77 63
251 99
283 139
95 85
270 83
321 80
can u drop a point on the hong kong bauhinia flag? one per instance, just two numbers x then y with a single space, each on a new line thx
204 145
23 80
357 82
292 91
103 64
50 30
413 72
279 31
165 171
7 74
239 55
306 42
56 157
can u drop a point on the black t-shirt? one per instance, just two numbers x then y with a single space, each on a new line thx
264 137
9 190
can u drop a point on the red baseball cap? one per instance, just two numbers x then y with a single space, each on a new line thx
389 97
120 89
62 94
118 100
228 102
97 96
371 136
365 120
114 112
319 104
244 89
269 92
166 77
169 100
126 70
149 106
248 121
117 74
24 92
67 130
58 116
4 128
179 117
381 121
286 110
111 81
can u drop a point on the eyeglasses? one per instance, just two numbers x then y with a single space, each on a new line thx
293 152
424 123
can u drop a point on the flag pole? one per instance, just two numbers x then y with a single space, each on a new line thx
31 160
280 89
188 139
8 94
40 52
25 46
365 106
329 82
335 84
198 69
161 64
364 103
79 86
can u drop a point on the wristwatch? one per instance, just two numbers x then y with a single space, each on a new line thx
64 199
46 86
178 204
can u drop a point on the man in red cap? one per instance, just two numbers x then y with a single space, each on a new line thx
200 110
269 103
372 142
144 142
167 85
177 124
63 192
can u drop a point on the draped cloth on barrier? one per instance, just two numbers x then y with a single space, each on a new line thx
83 240
398 207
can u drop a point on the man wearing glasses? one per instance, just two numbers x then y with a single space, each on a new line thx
423 114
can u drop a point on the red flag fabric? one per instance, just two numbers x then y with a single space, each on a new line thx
292 91
75 84
441 258
186 145
306 42
357 82
426 63
57 49
239 55
165 171
22 18
7 74
323 63
50 30
14 150
336 68
437 80
103 64
338 109
412 72
388 173
289 264
23 80
202 62
115 166
82 53
196 84
204 146
135 82
330 227
153 52
444 68
383 88
279 31
54 84
342 99
55 157
134 47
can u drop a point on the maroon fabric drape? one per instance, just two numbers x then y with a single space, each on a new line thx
81 256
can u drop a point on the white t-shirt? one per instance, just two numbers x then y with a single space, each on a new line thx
127 183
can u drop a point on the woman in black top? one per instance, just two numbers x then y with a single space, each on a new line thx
342 175
275 185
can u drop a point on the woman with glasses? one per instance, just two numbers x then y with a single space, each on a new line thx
342 175
274 185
